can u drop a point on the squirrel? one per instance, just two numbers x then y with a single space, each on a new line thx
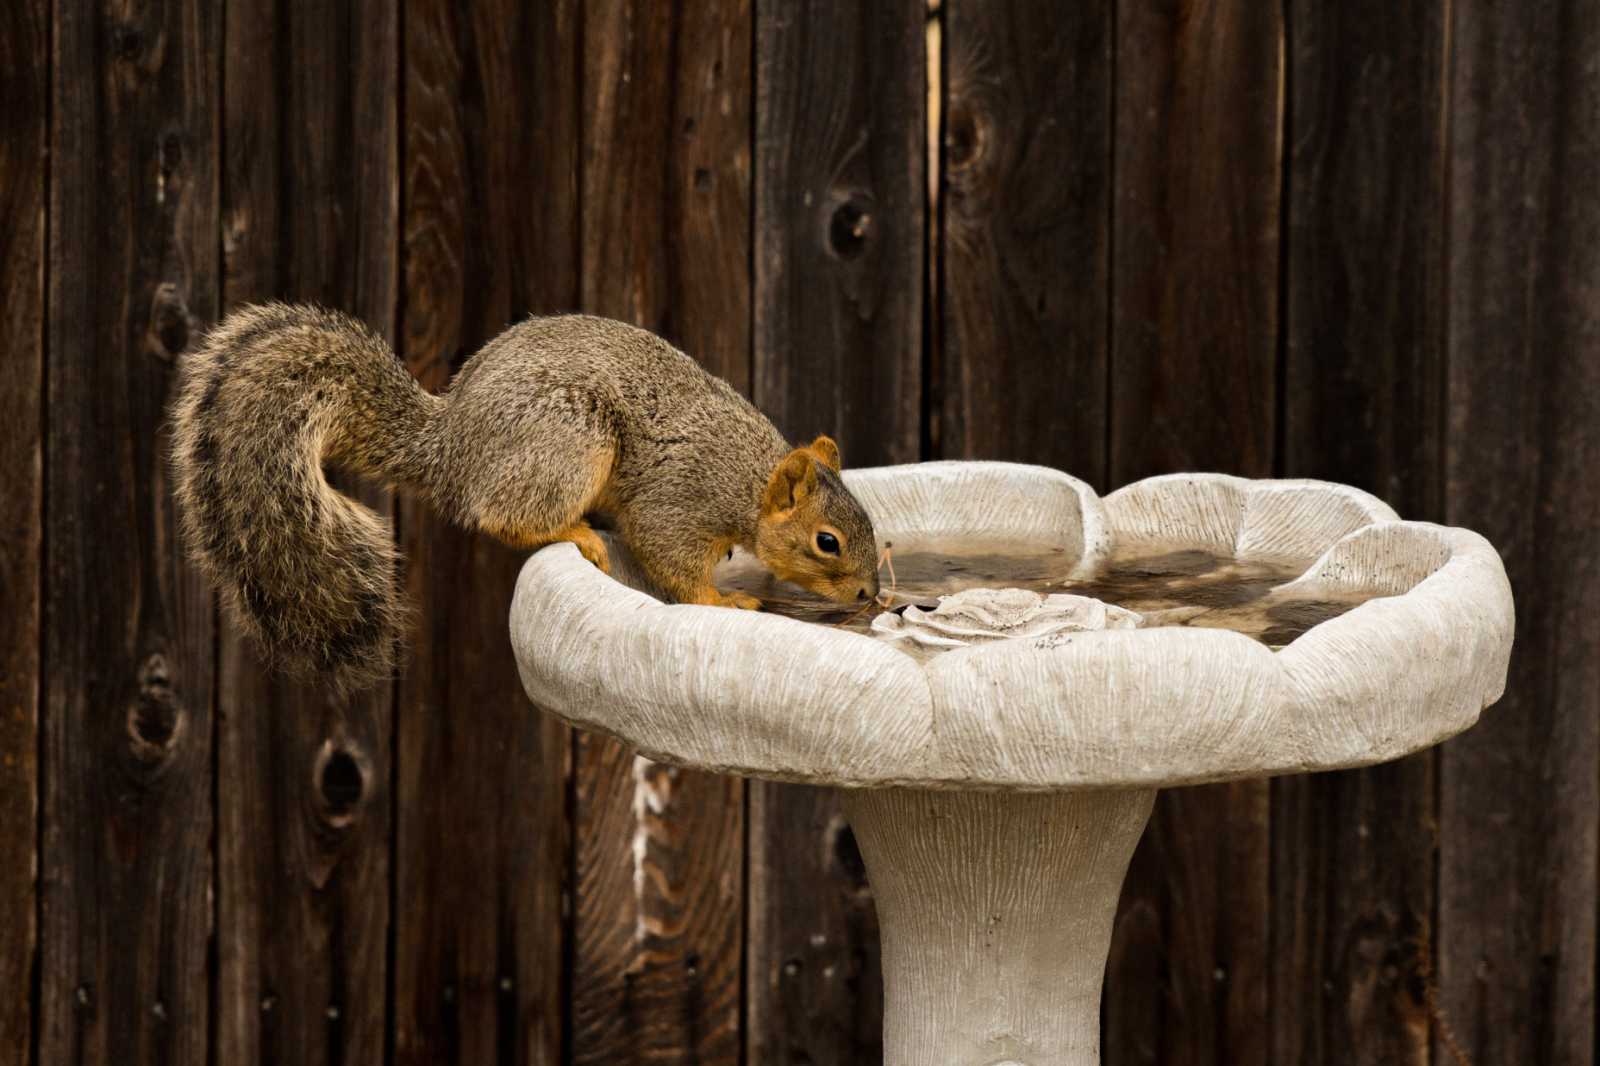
555 420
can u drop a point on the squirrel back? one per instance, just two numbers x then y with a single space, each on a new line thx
555 419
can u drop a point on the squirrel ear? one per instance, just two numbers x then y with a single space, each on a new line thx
826 452
792 480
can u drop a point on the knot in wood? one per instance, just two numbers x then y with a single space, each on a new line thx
340 784
851 226
127 42
963 137
169 322
155 718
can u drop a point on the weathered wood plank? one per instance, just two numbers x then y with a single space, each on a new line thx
25 87
840 230
310 185
128 647
1193 387
840 215
481 855
815 991
1353 853
1519 799
1026 233
1195 219
665 244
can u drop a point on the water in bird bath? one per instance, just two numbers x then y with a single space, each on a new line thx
1174 588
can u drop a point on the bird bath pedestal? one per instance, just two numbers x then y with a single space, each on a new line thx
999 750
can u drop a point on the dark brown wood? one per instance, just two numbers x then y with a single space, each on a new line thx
1353 868
815 982
1519 794
1353 853
25 87
1099 245
1195 218
840 217
129 631
491 164
310 184
666 223
1193 387
840 232
1025 233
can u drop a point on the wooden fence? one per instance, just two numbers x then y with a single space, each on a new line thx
1355 240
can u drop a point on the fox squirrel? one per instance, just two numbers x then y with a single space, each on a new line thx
554 420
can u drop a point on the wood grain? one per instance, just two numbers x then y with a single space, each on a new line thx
1518 795
1026 233
840 218
1195 268
25 86
1198 140
127 720
815 973
490 195
309 190
754 184
666 245
841 98
1354 853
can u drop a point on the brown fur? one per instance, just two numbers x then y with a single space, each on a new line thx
554 420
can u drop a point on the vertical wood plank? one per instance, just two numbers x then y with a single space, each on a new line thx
1354 853
665 245
841 94
128 625
840 223
1198 140
310 186
490 129
1519 795
1026 233
25 87
1195 272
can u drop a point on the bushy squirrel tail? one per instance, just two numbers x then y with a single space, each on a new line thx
270 393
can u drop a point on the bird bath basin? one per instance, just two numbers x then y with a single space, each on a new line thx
999 749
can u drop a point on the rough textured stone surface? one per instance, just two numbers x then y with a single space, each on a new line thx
999 787
979 616
774 697
996 911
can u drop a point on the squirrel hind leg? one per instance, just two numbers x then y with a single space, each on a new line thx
535 504
580 533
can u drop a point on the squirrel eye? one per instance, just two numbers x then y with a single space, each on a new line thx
827 542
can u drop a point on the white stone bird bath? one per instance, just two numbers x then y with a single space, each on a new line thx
999 755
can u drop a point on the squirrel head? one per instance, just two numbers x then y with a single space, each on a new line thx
812 531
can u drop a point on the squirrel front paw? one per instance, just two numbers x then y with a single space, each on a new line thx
711 597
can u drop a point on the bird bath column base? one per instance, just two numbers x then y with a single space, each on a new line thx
995 910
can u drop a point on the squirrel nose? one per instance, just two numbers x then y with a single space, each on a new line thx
869 590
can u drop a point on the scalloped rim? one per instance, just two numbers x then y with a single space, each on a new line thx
765 696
